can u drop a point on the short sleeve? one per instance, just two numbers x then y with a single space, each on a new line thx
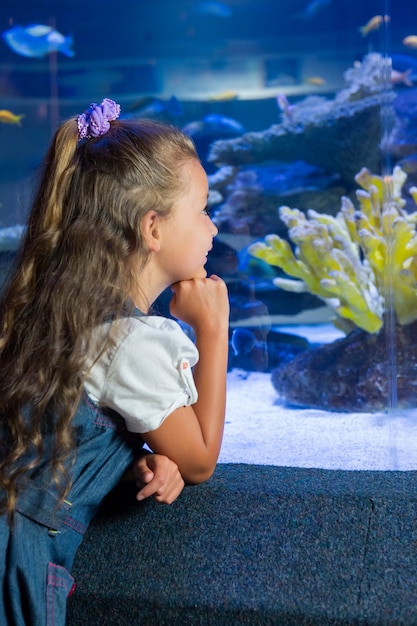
148 375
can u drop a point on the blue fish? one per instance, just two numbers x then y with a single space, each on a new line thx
157 109
211 7
214 126
37 40
222 123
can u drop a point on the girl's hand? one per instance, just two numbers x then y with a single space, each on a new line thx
157 476
202 303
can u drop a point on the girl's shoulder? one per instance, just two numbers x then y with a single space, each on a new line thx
148 330
139 323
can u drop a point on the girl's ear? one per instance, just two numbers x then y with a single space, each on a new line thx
151 232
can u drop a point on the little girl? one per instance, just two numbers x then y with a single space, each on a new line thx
87 372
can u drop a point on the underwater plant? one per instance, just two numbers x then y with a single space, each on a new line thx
356 260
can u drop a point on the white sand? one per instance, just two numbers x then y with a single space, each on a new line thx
260 430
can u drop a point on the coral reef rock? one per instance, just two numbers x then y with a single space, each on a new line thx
353 373
338 135
251 199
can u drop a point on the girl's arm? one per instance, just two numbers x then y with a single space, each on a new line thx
191 436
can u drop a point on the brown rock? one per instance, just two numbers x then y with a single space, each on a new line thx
360 372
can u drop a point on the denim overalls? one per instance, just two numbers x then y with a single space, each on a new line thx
37 555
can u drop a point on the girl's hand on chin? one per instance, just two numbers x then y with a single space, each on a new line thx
201 302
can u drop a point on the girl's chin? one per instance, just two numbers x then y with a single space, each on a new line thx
202 273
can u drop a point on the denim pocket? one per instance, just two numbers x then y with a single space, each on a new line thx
60 586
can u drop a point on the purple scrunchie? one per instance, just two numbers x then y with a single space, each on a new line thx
96 120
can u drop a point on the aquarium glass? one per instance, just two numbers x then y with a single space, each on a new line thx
304 115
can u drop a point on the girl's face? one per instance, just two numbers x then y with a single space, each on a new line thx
188 232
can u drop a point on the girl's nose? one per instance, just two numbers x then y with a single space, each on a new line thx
214 229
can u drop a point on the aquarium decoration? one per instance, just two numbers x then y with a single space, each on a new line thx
327 133
353 374
309 159
347 259
354 262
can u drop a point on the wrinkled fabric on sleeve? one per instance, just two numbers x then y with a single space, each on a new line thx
147 374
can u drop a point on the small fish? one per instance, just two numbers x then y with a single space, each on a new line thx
214 125
284 106
398 78
158 109
37 40
211 7
7 117
373 24
317 81
224 96
410 41
216 121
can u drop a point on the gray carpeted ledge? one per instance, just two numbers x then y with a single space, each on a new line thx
257 545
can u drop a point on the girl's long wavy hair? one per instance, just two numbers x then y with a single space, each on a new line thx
75 269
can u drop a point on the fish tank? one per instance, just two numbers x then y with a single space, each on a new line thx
304 115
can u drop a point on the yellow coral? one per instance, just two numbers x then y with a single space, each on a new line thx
353 259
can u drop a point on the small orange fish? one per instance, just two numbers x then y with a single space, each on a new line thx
224 96
373 24
7 117
317 81
410 41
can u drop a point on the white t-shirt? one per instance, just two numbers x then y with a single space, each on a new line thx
147 374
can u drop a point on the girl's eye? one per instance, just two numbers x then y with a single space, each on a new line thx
206 211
